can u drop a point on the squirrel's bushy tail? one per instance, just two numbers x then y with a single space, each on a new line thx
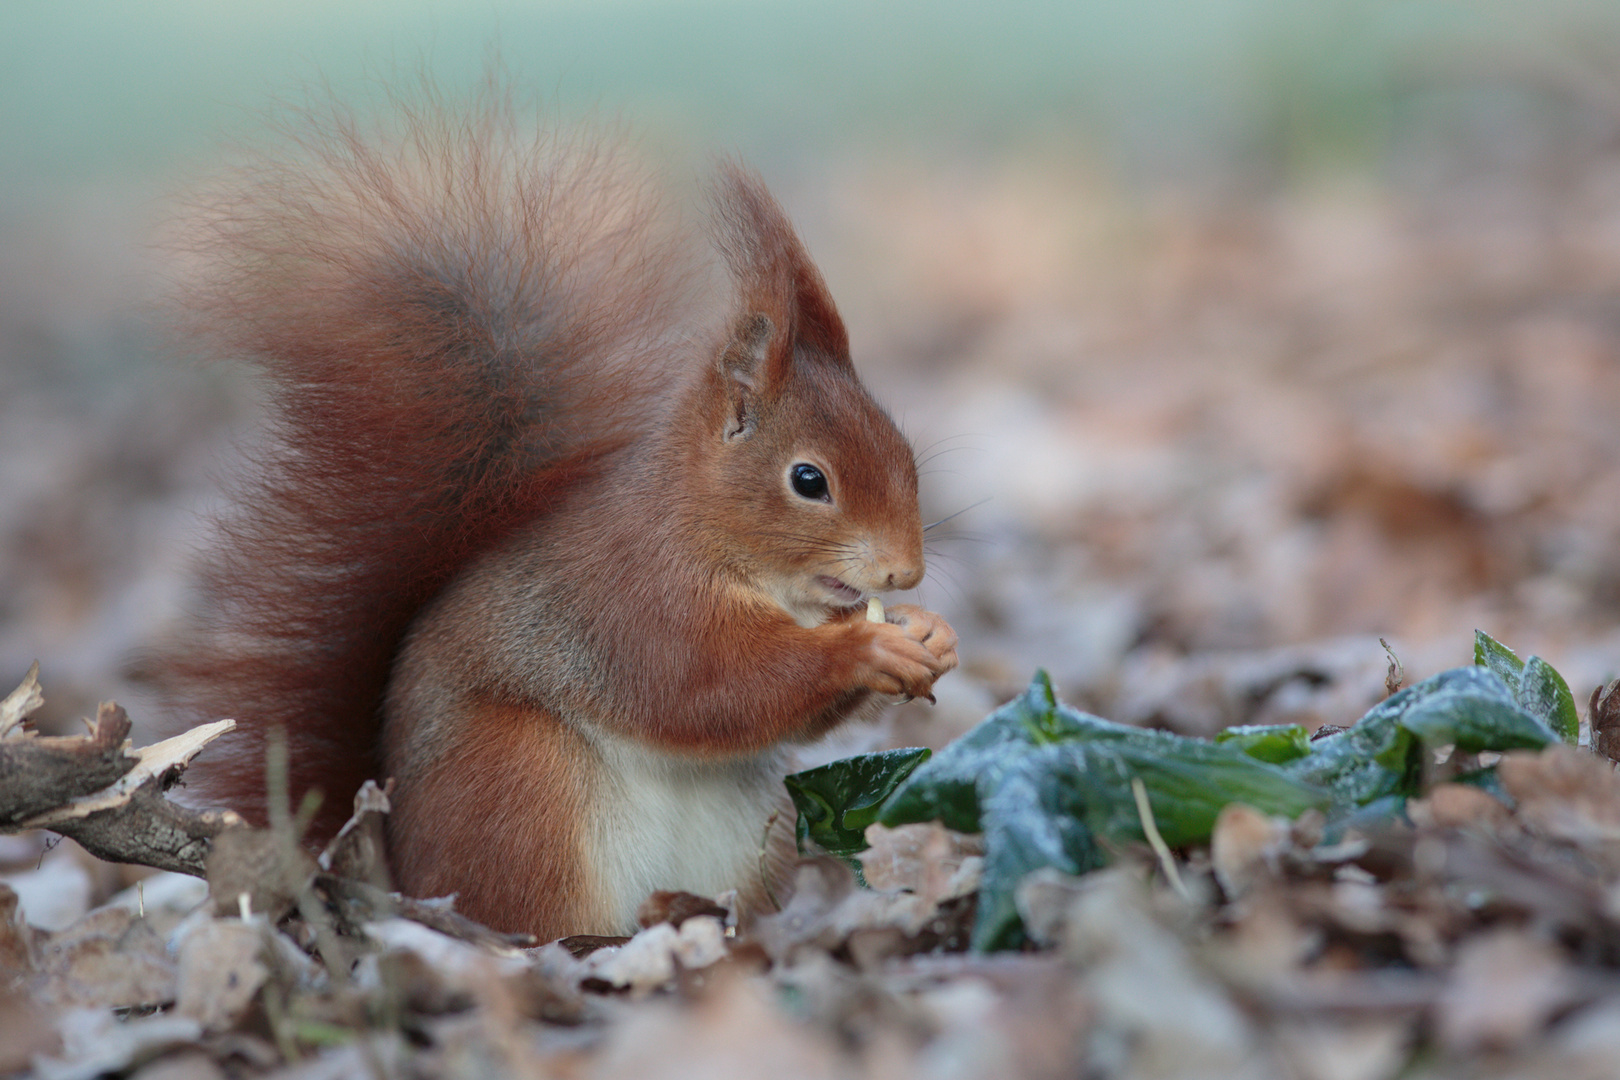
453 321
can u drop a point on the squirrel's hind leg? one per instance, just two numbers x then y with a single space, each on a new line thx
493 808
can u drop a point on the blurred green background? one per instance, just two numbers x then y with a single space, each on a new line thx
1159 90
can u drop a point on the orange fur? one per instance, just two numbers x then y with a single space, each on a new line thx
530 530
513 805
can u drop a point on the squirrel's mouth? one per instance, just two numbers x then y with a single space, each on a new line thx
844 592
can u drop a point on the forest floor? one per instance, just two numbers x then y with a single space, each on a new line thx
1209 452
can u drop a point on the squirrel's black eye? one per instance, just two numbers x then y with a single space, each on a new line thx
808 481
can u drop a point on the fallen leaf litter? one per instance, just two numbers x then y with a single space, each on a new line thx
1478 933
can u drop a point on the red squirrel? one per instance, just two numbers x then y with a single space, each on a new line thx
564 531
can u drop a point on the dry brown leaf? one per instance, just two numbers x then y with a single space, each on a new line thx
1267 942
926 859
1150 993
737 1032
1454 806
27 1028
828 911
187 1065
358 851
1503 989
1358 1050
1244 844
652 958
461 964
820 885
108 959
1585 1046
259 866
1043 900
1564 793
18 941
220 972
676 907
1604 710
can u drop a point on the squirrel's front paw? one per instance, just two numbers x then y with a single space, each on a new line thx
909 651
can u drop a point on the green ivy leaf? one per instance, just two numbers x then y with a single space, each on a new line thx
1495 656
1278 743
1535 684
1545 695
1049 785
837 801
1380 757
1034 817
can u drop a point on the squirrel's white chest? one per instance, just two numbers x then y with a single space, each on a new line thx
662 822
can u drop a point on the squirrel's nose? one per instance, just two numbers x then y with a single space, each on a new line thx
906 578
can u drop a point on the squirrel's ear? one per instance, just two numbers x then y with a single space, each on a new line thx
743 367
775 278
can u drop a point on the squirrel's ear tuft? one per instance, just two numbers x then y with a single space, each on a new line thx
774 275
